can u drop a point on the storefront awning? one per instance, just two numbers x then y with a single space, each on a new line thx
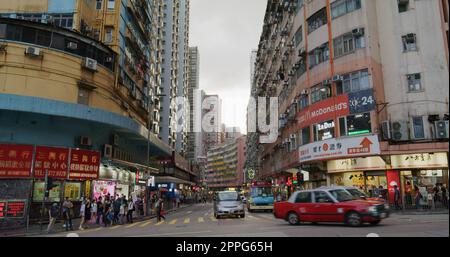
167 179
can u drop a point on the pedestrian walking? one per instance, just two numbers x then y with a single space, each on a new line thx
87 212
82 212
107 212
116 210
93 211
100 211
160 210
408 191
396 197
67 214
418 197
130 211
444 195
53 215
122 211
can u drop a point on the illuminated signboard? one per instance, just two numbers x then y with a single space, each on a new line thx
15 209
2 209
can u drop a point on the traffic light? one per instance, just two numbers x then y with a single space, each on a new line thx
50 186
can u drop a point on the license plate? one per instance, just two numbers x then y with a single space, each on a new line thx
383 215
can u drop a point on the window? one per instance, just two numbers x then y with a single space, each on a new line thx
317 20
419 132
293 143
2 30
304 101
322 197
403 5
355 125
109 35
324 130
99 4
409 42
342 7
299 36
349 42
319 93
305 136
299 5
111 4
303 197
319 55
83 96
414 82
353 82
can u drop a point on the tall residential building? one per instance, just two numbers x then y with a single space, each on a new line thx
362 89
226 164
194 138
175 74
213 137
83 75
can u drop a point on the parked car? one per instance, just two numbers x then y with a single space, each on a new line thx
356 193
228 203
330 205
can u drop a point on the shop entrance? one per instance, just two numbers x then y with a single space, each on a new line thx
376 184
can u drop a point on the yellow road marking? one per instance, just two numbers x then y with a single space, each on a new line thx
97 229
132 225
213 219
201 220
253 217
115 227
173 222
146 224
187 220
160 223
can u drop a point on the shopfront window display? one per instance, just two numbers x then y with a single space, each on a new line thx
72 190
375 186
431 184
54 194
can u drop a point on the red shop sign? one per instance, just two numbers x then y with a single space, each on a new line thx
325 110
84 164
15 161
52 159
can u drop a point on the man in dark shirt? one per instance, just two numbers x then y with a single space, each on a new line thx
100 210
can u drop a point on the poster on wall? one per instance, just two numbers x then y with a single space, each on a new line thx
15 161
73 191
52 159
354 179
16 208
2 209
84 164
393 179
38 192
103 188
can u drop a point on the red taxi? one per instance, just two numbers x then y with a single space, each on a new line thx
330 205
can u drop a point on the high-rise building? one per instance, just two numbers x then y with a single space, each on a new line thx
194 137
363 92
175 74
226 164
212 105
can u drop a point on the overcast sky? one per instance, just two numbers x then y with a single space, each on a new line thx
226 31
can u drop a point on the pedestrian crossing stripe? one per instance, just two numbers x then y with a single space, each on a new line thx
252 217
115 227
213 219
201 220
160 223
97 229
132 225
187 221
173 222
146 224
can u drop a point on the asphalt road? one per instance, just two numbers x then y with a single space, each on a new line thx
198 221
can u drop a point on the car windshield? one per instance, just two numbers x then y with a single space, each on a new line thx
341 195
261 191
228 196
357 194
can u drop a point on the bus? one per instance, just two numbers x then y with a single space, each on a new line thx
260 197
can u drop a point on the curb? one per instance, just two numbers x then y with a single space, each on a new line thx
24 234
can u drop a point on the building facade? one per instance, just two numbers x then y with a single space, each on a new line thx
175 74
362 93
194 138
226 164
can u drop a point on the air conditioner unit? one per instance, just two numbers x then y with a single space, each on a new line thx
301 52
293 136
400 131
85 141
291 73
337 78
88 29
304 92
403 1
90 64
108 151
442 127
109 59
72 45
386 130
33 51
45 18
358 32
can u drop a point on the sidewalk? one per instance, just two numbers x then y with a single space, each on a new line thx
34 229
420 212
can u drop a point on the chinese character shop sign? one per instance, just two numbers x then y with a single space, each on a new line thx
52 159
340 148
84 164
15 161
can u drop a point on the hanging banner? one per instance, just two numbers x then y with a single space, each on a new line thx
52 159
84 164
15 161
16 208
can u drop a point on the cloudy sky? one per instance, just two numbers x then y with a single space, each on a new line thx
226 31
